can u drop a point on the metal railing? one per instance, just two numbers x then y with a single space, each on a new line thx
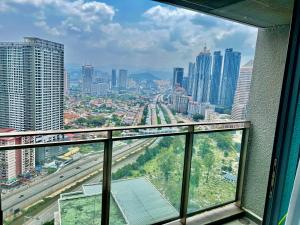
108 137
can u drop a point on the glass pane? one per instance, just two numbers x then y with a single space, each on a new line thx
55 182
214 169
147 179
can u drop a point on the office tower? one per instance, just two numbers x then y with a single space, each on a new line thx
122 81
241 96
191 78
31 89
66 83
202 77
87 79
177 77
215 77
185 83
229 78
113 78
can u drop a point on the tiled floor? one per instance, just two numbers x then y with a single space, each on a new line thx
242 221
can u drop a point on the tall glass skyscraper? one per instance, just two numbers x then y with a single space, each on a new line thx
177 77
215 78
87 79
202 76
113 78
229 78
122 81
191 74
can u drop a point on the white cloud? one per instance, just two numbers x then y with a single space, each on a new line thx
82 13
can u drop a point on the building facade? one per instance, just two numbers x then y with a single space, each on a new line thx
177 77
31 88
191 74
100 89
122 81
201 84
241 96
215 78
113 78
232 61
87 79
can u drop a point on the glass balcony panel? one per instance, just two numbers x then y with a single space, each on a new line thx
147 179
214 169
55 182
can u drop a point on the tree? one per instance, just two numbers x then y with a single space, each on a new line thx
205 147
208 162
167 164
195 176
197 117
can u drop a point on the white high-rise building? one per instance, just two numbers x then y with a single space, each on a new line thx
31 87
241 96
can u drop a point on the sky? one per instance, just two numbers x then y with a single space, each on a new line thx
131 34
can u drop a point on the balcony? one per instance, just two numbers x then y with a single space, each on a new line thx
139 175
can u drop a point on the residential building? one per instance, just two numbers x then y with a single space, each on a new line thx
66 83
191 74
100 89
87 79
113 78
32 88
122 81
232 61
202 76
177 77
10 160
241 96
215 78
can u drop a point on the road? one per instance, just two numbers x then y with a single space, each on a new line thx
47 213
65 176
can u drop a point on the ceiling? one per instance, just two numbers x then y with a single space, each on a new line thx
259 13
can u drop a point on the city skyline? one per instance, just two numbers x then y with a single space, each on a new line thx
153 36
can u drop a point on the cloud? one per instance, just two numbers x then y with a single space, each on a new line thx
84 14
161 36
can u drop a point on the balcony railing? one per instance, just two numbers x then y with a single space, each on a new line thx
148 174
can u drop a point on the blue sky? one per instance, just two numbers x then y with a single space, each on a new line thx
132 34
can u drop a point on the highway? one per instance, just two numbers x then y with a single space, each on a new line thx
64 177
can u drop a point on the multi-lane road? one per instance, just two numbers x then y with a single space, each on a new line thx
66 176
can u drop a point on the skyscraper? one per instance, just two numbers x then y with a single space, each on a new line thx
87 79
215 78
113 78
177 77
229 78
31 85
241 96
31 89
122 81
66 83
191 78
202 76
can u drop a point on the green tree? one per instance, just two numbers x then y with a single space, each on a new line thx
167 164
197 117
208 162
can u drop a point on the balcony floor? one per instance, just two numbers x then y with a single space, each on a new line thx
242 221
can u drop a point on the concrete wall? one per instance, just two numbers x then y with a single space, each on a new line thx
264 100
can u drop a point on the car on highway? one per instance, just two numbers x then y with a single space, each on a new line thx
21 196
78 167
61 176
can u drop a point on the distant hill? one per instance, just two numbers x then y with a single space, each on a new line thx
143 76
